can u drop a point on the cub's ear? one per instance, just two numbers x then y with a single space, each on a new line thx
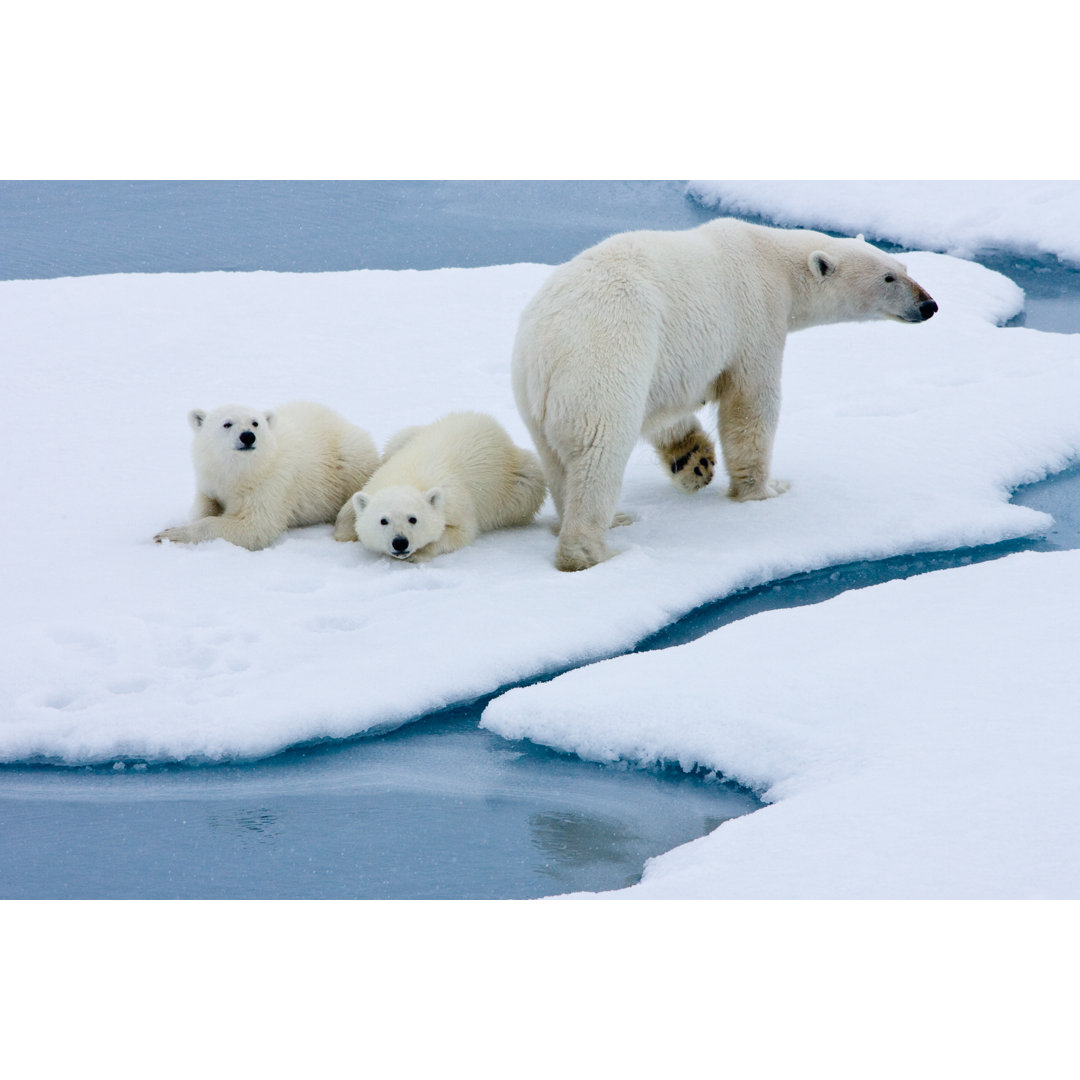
195 418
270 418
435 498
360 502
821 264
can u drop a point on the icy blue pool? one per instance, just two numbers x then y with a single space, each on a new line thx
439 808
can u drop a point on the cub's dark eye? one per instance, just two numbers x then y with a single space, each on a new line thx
384 521
889 279
254 423
228 423
412 521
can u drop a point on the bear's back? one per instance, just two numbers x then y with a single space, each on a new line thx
467 454
322 459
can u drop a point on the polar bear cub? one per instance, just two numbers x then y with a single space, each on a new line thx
260 473
442 485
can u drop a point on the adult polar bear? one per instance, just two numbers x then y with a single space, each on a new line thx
633 335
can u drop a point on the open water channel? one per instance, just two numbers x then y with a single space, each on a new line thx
439 808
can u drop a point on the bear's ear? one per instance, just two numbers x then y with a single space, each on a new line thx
435 498
270 418
195 418
821 264
360 502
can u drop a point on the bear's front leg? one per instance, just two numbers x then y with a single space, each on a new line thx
245 532
689 454
195 532
453 538
205 506
345 525
750 488
749 410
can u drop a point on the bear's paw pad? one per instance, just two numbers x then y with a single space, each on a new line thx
693 469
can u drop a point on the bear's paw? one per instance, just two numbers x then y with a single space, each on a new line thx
691 461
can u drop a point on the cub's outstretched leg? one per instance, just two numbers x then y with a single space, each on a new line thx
252 531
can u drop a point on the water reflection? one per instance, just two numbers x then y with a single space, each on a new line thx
249 826
438 810
573 840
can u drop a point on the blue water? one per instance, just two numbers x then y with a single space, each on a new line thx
439 809
67 228
1059 495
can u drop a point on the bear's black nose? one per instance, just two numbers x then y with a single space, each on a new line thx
247 437
400 543
927 308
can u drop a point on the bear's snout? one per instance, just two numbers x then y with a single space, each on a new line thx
927 308
400 544
248 439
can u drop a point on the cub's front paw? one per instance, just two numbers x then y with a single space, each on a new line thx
178 535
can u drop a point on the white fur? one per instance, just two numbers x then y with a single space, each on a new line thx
304 463
633 335
441 485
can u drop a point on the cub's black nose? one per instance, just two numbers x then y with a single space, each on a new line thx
400 543
927 308
247 437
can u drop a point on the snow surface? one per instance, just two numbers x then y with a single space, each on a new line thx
961 217
896 438
916 740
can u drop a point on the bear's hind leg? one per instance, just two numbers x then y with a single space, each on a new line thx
528 492
552 469
593 483
689 454
578 550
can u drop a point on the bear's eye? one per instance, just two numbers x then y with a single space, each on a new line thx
254 423
228 423
384 521
412 521
889 279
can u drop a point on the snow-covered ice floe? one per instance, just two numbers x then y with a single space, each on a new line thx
915 740
961 217
895 439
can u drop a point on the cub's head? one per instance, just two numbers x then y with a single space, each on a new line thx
233 434
399 521
853 281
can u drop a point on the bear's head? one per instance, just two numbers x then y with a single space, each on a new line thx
852 281
399 521
232 436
